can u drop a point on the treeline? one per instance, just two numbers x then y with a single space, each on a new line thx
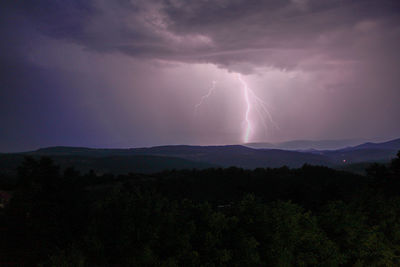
312 216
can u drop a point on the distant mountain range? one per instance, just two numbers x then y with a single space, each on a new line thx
390 145
308 144
155 159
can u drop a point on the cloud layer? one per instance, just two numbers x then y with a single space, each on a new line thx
227 33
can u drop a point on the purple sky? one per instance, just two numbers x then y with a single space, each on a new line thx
130 73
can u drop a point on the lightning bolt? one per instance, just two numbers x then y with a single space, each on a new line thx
204 97
254 101
248 108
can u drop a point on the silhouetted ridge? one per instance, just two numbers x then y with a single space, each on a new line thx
222 156
389 145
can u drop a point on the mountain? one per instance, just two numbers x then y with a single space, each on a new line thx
241 156
155 159
224 156
305 145
367 152
106 164
359 155
389 145
79 151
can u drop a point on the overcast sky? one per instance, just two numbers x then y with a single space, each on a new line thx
129 73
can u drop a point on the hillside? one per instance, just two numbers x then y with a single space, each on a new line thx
107 164
154 159
307 144
224 156
389 145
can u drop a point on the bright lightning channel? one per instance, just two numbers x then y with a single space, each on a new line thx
248 104
204 97
254 102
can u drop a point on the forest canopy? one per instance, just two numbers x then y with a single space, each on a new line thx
311 216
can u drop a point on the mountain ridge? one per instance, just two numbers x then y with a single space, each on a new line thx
158 158
327 144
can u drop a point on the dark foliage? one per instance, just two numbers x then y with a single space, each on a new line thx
312 216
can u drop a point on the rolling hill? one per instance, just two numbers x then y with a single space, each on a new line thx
155 159
307 144
107 164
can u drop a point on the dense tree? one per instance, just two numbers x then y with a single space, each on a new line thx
312 216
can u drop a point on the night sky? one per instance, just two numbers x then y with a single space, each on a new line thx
129 73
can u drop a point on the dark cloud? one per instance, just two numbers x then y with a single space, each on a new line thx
222 32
